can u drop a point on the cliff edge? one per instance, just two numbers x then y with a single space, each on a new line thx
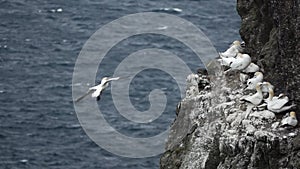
213 129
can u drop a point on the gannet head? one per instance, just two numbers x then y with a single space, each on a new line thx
293 114
258 74
267 83
236 43
271 93
258 86
104 79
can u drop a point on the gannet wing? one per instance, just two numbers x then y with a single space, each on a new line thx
113 78
285 108
83 96
278 103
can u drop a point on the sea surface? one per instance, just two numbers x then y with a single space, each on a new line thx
40 41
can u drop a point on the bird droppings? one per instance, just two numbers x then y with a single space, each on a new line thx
228 130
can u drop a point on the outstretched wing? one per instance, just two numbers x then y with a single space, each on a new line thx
113 78
83 96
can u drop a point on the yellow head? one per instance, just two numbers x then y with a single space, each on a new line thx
257 74
236 43
293 114
258 86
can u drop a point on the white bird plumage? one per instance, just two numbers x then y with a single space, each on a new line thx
266 86
233 50
291 120
277 104
252 68
251 83
97 90
240 62
256 98
224 61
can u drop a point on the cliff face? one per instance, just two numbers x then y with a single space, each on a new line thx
271 30
214 130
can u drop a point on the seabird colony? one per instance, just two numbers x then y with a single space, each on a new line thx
236 60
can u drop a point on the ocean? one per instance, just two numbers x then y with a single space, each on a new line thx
39 44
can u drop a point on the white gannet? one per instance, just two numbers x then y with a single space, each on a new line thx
252 68
97 90
291 120
266 86
240 62
233 50
277 104
224 61
256 98
251 83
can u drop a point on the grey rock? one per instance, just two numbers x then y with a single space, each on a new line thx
209 134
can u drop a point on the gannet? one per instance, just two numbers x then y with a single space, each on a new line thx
251 83
240 62
265 87
291 120
96 91
255 99
252 68
277 104
224 61
233 50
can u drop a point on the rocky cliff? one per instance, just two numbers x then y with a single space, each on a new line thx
271 30
213 129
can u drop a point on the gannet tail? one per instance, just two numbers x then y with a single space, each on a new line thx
83 96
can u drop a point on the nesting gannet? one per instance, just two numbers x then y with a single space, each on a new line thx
240 62
255 99
224 61
277 104
97 90
266 86
251 83
291 120
233 50
252 68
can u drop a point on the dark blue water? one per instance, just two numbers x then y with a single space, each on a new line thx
39 45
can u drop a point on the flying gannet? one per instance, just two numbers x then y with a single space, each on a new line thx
291 120
256 98
233 50
97 90
251 83
277 104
